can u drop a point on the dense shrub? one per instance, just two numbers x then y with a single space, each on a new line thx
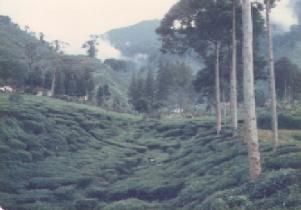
131 204
84 182
64 194
238 202
43 183
98 193
273 183
217 204
87 204
33 126
292 160
16 98
285 121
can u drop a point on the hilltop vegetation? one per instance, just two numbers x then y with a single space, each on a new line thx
31 64
59 155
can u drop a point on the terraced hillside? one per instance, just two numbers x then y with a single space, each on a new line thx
59 156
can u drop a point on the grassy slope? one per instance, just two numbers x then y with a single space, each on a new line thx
58 155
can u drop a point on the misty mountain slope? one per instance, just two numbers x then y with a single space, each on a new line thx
60 156
136 39
142 45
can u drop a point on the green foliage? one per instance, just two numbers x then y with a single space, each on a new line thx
292 160
96 193
131 204
260 98
103 94
288 76
86 204
91 45
285 121
33 65
59 155
274 182
117 65
142 105
171 88
16 98
42 183
202 25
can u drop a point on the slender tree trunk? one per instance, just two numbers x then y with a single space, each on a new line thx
251 132
233 74
285 92
289 95
272 78
225 113
217 93
53 82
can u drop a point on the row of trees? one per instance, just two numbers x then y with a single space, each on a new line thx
73 80
213 30
170 86
28 62
287 77
49 69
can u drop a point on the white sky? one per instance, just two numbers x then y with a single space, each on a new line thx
283 14
73 21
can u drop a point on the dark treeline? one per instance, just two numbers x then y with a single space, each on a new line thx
169 87
288 77
32 65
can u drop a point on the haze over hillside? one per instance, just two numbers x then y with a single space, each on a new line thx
136 39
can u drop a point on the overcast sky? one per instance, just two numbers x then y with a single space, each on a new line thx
74 20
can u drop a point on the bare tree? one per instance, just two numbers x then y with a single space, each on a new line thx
233 73
251 132
57 46
269 4
217 92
